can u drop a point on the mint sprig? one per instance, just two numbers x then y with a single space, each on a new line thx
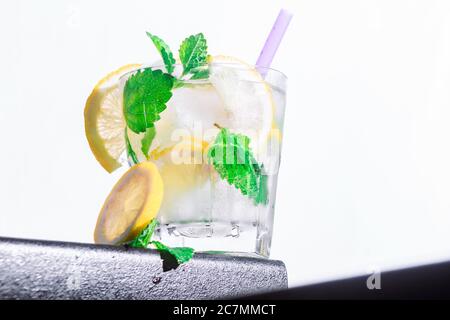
233 159
164 51
147 91
144 97
181 254
200 73
143 239
193 52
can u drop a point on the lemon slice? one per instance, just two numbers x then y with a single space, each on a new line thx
185 174
247 98
104 121
182 166
132 203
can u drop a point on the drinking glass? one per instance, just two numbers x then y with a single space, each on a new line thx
201 209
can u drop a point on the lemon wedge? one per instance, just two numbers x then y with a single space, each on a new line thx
104 121
132 203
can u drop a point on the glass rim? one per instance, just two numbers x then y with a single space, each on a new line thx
231 64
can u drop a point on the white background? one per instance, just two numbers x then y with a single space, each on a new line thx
365 175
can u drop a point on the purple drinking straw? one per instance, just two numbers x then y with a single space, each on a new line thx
273 41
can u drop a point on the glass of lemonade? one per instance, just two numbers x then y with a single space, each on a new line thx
217 146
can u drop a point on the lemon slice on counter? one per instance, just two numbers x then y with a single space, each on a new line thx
104 121
132 203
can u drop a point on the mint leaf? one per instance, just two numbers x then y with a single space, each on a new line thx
200 74
177 83
193 52
143 239
164 51
147 140
181 254
263 192
232 158
144 97
130 152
